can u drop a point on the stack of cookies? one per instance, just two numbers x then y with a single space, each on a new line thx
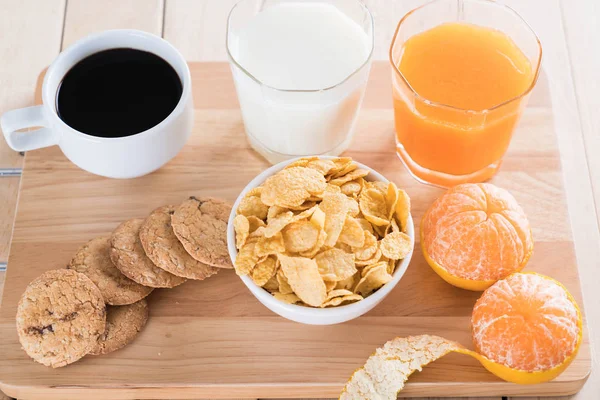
97 305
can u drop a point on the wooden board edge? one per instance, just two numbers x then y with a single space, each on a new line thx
215 391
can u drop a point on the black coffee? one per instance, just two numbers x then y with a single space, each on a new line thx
118 92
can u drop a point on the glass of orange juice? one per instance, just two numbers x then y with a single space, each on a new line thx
462 72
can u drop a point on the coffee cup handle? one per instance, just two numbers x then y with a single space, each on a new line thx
23 118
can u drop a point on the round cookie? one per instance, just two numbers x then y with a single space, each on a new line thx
127 254
123 323
60 316
163 248
201 226
93 260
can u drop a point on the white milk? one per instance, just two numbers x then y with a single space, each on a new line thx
294 46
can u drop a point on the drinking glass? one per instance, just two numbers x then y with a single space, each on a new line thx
280 123
444 145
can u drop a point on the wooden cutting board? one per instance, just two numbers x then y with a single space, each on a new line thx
213 338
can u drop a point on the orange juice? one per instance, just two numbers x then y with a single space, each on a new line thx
452 101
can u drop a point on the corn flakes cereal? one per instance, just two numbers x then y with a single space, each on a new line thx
348 283
308 204
368 249
275 211
303 277
323 166
330 285
284 286
344 168
251 205
337 293
369 267
403 209
318 218
395 245
300 236
301 162
373 206
335 208
352 233
320 242
305 214
355 174
391 198
246 259
335 264
351 188
272 284
269 245
255 223
336 301
352 206
276 224
376 257
292 186
365 225
241 226
264 271
319 234
289 298
375 278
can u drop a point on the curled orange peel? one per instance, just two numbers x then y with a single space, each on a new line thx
384 374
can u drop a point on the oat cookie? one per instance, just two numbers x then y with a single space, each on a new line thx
123 323
163 248
93 260
201 226
127 254
60 316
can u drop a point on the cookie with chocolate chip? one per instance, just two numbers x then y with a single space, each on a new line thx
60 317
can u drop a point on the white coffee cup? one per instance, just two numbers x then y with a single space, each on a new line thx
122 157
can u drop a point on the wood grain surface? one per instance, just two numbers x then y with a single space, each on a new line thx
213 338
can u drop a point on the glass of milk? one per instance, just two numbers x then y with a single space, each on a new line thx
300 69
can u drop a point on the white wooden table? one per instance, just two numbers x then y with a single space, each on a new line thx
33 32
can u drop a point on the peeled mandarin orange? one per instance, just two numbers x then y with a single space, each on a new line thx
476 234
527 327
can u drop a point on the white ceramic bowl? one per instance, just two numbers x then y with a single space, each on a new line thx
309 315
